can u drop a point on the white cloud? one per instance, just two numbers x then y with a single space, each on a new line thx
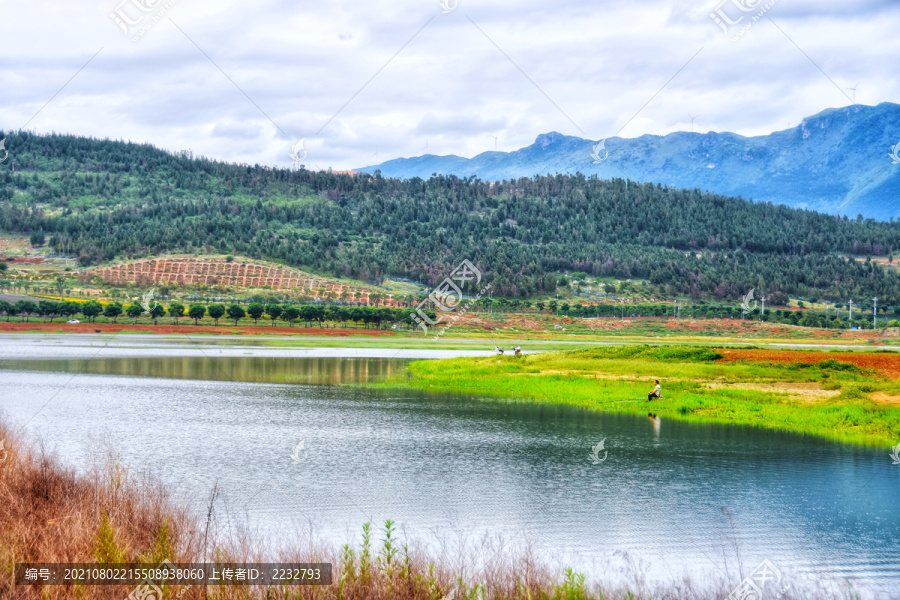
588 66
238 131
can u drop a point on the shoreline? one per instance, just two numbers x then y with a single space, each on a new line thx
855 398
825 394
298 337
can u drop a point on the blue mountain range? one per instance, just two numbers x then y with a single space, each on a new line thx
842 161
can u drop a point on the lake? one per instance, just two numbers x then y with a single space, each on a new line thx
662 497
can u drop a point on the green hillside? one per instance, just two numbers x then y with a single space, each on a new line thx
105 201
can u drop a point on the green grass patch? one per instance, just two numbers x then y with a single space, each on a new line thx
666 353
619 379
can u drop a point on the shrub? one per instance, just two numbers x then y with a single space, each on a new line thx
853 392
662 353
107 547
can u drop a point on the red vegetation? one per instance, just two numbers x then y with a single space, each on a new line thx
886 364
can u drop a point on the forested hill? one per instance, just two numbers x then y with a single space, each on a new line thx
106 200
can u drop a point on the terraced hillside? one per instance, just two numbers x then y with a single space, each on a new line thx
243 274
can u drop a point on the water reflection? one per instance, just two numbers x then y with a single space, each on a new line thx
657 423
285 456
321 371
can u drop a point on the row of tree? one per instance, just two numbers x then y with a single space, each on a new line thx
379 317
367 315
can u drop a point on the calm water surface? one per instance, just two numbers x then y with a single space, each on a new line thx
675 498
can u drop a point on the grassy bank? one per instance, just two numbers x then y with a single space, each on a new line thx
827 396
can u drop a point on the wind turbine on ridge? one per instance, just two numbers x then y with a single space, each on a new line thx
853 89
693 118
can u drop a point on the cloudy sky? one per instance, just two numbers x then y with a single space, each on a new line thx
363 82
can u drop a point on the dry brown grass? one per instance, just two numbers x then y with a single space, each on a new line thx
50 514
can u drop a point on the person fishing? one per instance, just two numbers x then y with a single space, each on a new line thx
656 393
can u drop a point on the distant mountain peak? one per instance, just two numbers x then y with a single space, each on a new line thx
836 161
546 139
